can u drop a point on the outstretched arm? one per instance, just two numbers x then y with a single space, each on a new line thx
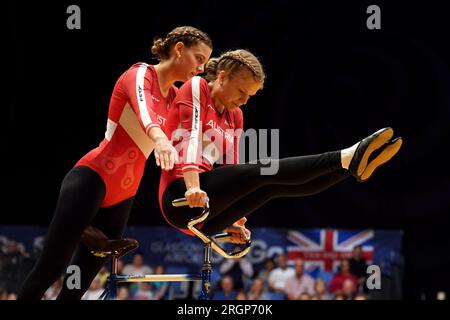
137 84
191 103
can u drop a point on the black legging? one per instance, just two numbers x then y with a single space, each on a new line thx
237 190
80 198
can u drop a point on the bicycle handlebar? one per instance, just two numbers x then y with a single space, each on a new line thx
223 237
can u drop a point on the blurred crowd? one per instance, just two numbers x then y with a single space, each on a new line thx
233 279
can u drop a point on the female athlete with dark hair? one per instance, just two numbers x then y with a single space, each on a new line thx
99 190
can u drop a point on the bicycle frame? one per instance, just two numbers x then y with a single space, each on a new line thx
205 275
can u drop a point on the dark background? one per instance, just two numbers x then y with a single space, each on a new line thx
330 82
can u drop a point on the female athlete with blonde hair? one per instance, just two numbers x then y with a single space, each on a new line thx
204 123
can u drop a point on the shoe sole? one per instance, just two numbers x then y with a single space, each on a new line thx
380 140
387 154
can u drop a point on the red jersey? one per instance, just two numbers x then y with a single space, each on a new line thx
136 106
202 135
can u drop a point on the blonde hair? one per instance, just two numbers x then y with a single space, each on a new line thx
188 35
233 62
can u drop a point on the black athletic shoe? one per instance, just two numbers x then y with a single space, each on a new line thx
389 150
365 148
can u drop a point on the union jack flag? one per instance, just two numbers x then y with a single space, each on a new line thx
324 248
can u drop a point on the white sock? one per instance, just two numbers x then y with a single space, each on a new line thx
347 155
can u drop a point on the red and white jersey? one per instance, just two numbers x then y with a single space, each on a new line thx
136 106
202 135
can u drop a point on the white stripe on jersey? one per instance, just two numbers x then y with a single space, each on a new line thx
193 141
140 95
110 129
130 123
